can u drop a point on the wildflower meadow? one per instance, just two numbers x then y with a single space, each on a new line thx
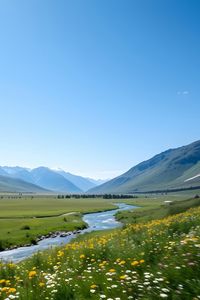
159 259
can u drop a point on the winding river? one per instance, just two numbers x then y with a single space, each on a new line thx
96 221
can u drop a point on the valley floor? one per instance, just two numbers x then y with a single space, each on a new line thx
157 259
24 219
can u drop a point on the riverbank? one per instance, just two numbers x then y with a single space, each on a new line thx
50 235
96 221
155 209
24 220
154 260
26 223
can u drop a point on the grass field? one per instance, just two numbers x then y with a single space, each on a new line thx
156 208
49 206
22 220
154 260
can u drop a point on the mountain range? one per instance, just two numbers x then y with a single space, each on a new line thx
42 179
173 169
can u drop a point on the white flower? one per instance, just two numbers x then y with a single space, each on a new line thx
165 290
162 295
160 279
155 281
134 281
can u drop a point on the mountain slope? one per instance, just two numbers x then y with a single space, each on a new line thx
167 170
82 183
51 180
43 177
19 172
8 184
3 172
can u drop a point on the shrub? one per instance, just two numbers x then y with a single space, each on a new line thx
25 227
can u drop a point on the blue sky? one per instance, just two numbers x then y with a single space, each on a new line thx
96 86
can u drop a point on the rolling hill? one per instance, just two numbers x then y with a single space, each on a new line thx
14 185
172 169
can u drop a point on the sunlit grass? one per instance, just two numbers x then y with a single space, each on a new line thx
153 260
24 219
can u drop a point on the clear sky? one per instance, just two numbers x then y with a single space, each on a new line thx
96 86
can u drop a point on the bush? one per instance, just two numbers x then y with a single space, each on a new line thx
2 246
25 227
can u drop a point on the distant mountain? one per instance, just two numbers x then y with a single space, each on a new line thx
14 170
3 172
82 183
98 181
8 184
43 177
48 178
174 168
51 180
19 172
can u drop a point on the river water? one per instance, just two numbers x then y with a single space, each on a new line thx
96 221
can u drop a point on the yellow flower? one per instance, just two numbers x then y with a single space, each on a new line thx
117 260
141 261
7 282
5 289
82 256
32 274
123 277
12 290
41 284
93 286
134 263
112 270
2 281
60 253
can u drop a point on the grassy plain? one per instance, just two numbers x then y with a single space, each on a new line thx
39 206
145 261
23 219
157 207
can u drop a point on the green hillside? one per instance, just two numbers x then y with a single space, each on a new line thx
174 168
8 184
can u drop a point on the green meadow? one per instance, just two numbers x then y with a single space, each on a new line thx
38 206
23 219
154 256
157 207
